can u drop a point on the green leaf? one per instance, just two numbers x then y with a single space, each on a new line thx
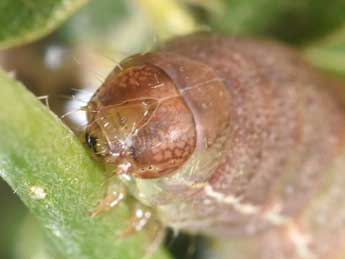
329 53
293 21
23 21
331 58
50 170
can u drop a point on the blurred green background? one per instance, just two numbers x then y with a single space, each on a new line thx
80 53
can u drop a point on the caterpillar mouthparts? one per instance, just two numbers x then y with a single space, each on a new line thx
228 137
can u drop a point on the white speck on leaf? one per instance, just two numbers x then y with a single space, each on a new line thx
37 192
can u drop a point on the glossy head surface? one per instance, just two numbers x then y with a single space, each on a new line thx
138 121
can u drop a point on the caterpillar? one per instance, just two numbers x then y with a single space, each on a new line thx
230 138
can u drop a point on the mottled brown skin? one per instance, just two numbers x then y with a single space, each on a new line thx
269 127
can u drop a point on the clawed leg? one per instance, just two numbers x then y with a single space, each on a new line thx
141 217
115 194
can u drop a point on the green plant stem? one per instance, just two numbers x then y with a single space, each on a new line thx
52 173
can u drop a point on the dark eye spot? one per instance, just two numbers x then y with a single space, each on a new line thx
91 141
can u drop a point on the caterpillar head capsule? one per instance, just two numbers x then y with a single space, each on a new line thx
139 122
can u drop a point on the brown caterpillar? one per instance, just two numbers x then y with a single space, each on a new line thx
229 137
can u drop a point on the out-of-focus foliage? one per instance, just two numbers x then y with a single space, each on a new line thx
292 21
95 20
318 26
26 20
168 18
329 53
110 28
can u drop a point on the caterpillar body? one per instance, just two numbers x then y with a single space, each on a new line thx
229 137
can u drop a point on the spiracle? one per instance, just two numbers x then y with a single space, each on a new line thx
229 137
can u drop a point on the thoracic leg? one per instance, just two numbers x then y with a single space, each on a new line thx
115 194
